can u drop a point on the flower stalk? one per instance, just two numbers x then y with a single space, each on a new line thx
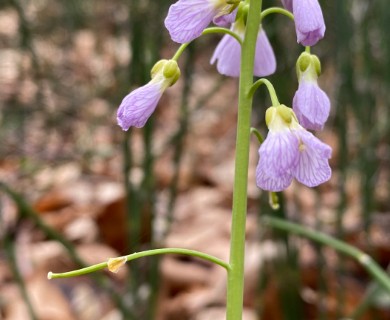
235 285
137 255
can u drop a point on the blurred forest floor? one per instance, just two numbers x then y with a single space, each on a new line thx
64 68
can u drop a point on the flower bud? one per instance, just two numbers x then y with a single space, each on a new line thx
285 112
159 65
171 71
270 115
308 61
303 62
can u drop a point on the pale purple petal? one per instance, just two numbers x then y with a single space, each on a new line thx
279 153
227 54
265 61
313 167
309 21
265 182
311 105
288 4
137 107
187 19
225 20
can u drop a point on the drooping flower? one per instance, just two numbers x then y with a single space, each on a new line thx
138 106
187 19
310 104
309 20
288 152
227 54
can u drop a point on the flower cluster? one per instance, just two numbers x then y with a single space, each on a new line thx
289 151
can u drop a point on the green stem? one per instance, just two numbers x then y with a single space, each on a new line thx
272 10
10 252
257 134
138 255
211 30
235 283
364 259
270 88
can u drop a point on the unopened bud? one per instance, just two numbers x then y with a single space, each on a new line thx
158 67
171 71
317 64
303 62
285 112
270 115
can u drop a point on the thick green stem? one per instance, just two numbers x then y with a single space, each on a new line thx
138 255
235 285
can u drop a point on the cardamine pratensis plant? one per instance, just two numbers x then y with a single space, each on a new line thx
289 151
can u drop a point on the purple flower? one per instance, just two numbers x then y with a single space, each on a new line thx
310 104
309 21
288 152
138 106
187 19
228 54
225 20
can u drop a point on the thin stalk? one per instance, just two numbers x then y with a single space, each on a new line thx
235 282
273 10
270 88
138 255
10 251
362 258
211 30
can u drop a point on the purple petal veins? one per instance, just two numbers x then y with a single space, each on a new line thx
137 107
311 105
227 54
225 20
279 153
309 21
187 19
266 182
265 61
313 166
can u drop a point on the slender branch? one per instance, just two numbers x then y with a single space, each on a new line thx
257 134
272 10
142 254
208 31
270 87
364 259
10 251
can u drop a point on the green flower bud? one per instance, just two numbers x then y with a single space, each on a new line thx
286 113
158 67
303 62
270 115
309 64
317 64
171 71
